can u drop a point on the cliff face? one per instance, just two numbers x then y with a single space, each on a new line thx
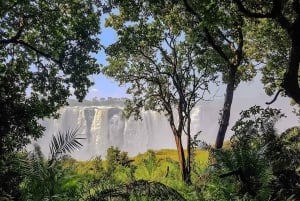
104 127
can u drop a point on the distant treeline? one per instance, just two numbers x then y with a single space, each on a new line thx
110 101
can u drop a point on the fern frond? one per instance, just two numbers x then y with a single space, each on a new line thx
64 142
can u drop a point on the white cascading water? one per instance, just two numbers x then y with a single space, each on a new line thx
103 127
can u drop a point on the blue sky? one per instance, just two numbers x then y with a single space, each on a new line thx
105 87
246 95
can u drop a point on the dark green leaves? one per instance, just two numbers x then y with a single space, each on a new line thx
45 56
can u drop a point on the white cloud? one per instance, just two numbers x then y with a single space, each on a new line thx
94 90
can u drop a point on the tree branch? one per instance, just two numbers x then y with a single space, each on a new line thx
239 50
48 56
190 9
215 46
276 13
207 33
249 13
275 97
16 36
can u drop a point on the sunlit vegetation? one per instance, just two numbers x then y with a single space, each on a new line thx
151 166
170 53
71 179
248 168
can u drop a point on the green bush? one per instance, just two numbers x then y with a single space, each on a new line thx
260 164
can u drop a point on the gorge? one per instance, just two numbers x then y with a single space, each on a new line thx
104 126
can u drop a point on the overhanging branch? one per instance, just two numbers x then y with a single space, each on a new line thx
48 56
16 36
275 97
276 13
215 46
249 13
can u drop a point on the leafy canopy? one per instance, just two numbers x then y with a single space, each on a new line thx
46 53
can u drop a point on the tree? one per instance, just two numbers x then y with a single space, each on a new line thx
286 14
167 73
225 34
115 157
45 50
45 53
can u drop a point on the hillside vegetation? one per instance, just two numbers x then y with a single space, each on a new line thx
155 166
247 168
170 55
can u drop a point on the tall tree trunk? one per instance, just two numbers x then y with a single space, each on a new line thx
188 148
181 157
227 107
291 78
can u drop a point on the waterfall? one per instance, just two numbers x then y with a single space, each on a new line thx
103 127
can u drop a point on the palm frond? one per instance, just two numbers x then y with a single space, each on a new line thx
64 142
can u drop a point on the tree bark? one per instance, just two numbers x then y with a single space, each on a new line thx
181 158
290 82
180 151
226 108
188 147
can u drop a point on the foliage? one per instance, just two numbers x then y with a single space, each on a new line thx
12 168
150 163
63 143
259 165
93 177
116 157
280 150
254 118
166 71
138 190
117 160
283 17
104 175
45 54
47 179
269 47
249 171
